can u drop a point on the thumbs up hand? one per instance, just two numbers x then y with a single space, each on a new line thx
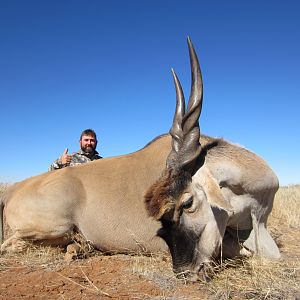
66 158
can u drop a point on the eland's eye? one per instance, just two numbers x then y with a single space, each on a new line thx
187 204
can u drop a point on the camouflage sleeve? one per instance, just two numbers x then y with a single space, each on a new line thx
56 165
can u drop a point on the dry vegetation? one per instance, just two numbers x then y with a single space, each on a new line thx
42 272
287 206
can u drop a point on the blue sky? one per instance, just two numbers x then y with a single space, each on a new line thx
70 65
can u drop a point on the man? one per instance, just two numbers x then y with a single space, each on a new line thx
88 143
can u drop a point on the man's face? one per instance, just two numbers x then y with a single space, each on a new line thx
88 143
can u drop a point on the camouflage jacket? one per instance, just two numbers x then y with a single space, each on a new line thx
78 158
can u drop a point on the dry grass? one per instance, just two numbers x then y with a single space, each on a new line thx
258 278
157 268
34 256
3 187
253 278
287 206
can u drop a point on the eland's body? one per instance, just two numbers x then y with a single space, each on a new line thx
205 196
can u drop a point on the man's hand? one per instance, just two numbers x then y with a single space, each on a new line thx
66 158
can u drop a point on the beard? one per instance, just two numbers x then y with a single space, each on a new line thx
88 149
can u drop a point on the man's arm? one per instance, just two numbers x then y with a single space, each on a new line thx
61 162
57 164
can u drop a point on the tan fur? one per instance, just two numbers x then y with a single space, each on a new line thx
103 199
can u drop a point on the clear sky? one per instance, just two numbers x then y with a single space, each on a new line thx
70 65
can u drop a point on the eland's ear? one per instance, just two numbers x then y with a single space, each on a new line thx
212 189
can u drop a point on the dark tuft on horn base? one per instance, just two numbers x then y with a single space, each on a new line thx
160 198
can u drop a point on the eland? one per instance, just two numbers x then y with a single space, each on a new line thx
197 196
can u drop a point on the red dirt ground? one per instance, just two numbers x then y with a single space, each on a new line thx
98 277
44 274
